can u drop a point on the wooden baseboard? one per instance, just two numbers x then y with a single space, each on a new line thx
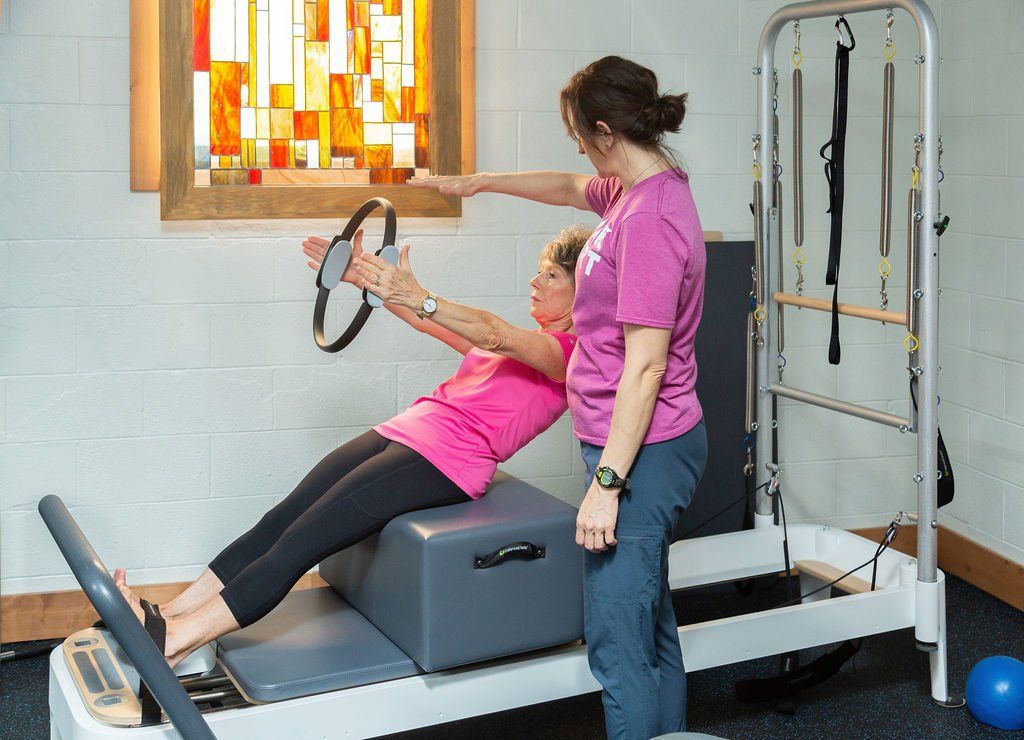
54 614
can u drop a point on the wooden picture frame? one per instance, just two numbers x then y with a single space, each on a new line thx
169 111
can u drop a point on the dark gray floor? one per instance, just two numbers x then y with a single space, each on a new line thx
882 693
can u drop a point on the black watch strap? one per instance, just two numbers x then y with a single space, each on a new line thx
617 481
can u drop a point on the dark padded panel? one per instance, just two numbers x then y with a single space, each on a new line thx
417 584
311 643
721 370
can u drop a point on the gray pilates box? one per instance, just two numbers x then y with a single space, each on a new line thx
420 582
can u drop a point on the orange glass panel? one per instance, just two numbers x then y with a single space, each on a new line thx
422 140
346 132
225 108
361 49
278 153
378 156
422 56
311 27
322 25
408 103
390 176
307 125
201 35
324 144
341 91
362 14
377 90
392 92
392 7
358 163
281 96
318 86
229 177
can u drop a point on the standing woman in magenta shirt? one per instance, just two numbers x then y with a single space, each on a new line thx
631 378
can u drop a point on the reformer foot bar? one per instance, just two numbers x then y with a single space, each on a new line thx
929 601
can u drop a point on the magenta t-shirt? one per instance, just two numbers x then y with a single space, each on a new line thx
644 264
481 416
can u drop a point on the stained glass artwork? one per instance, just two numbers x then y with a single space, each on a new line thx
310 92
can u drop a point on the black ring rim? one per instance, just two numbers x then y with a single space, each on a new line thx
320 309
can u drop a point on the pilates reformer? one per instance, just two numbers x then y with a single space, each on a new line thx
299 671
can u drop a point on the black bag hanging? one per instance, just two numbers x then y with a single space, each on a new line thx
834 168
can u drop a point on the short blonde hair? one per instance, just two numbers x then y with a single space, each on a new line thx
565 248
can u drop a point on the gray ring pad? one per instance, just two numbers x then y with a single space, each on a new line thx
335 262
388 253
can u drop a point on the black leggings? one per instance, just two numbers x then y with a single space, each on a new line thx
349 495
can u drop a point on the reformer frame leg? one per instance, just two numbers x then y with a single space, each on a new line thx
937 660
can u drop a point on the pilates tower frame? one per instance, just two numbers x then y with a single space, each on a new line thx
909 592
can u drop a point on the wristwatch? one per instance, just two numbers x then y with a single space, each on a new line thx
608 478
429 306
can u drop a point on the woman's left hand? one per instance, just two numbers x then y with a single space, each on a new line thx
392 284
595 523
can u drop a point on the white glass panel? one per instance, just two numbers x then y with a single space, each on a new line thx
405 128
376 133
298 29
201 96
248 129
367 92
262 153
262 59
261 4
299 60
280 42
338 36
404 151
313 154
373 112
222 30
408 75
408 38
376 68
241 30
376 9
393 51
298 11
386 27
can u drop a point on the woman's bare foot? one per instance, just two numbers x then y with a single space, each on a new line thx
121 581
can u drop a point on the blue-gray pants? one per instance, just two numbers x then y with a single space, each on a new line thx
629 623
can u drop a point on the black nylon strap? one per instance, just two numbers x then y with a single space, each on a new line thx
156 627
946 485
835 175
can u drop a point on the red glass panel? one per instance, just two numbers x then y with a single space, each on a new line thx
278 152
408 103
201 36
255 177
307 125
322 27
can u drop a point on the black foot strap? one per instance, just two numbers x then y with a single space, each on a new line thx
156 627
782 687
835 163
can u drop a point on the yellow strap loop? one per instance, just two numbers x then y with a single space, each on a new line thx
799 256
890 50
760 314
885 267
797 57
910 343
757 170
916 176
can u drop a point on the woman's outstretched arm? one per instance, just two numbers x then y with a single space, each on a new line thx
544 186
398 286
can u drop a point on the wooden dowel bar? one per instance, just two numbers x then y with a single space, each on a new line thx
846 309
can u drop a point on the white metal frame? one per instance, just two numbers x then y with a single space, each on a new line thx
910 592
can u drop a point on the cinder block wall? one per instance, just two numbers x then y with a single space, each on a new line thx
160 376
982 263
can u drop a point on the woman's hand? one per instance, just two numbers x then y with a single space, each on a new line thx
315 248
395 285
463 186
595 523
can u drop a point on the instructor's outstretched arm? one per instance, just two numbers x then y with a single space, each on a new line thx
545 186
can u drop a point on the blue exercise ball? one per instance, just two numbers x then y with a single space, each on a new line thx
995 692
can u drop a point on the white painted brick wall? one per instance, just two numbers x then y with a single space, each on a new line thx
982 263
159 375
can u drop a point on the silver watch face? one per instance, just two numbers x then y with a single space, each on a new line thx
429 305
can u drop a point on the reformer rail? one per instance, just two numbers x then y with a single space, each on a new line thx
922 305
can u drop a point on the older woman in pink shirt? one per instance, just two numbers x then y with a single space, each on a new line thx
443 449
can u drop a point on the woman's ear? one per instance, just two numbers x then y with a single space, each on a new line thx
607 137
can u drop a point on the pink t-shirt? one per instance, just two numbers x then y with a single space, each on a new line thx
644 264
481 416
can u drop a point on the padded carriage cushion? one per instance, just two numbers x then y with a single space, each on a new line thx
416 581
311 643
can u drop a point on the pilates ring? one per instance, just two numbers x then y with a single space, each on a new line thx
334 264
